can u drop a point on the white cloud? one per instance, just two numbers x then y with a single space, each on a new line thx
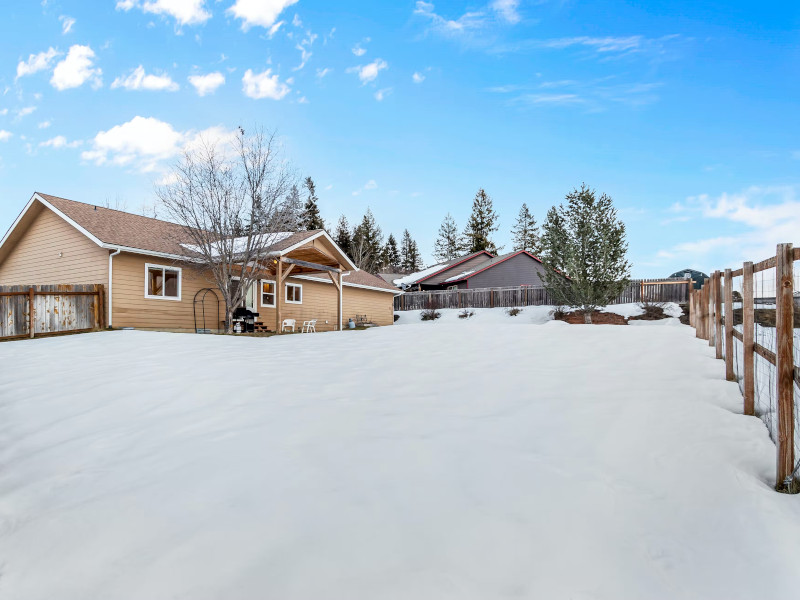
369 72
66 23
358 50
302 100
24 112
139 80
263 85
185 12
208 83
36 62
60 142
76 69
44 125
600 44
5 135
305 49
507 10
381 94
418 77
274 29
296 20
769 214
467 22
4 111
370 185
322 72
261 13
145 143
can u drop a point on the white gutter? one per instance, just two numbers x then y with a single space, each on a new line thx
109 321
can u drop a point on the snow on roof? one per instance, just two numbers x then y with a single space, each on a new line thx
415 277
240 243
459 276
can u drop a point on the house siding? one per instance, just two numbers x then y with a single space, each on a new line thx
34 259
518 270
320 299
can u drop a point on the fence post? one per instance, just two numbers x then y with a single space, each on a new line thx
729 372
748 339
31 323
491 298
784 364
711 307
718 330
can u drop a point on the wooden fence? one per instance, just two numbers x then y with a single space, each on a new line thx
28 311
713 314
655 290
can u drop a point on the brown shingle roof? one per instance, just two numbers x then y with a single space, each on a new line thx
135 231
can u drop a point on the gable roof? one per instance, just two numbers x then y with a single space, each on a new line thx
488 264
114 229
437 270
360 279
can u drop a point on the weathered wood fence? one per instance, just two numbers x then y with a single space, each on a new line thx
654 290
755 335
31 310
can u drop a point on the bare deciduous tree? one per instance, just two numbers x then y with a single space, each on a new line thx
229 198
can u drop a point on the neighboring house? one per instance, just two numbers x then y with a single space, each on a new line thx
697 277
150 284
477 270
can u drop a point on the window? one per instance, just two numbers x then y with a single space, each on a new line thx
267 293
294 293
163 283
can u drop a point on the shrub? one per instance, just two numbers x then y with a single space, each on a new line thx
513 312
466 314
558 313
430 314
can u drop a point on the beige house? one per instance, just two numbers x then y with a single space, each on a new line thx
149 284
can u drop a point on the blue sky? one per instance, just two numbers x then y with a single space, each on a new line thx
685 112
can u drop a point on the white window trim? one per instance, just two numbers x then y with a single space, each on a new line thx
286 293
147 267
261 293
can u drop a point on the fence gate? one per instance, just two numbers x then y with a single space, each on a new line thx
31 310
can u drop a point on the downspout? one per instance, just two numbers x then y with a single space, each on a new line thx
111 256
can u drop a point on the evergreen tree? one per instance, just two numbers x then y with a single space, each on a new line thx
481 225
584 251
311 217
448 245
391 255
367 244
292 211
342 236
410 259
525 233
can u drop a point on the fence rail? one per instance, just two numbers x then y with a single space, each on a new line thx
31 310
655 290
750 317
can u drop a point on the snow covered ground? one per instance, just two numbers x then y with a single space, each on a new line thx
480 461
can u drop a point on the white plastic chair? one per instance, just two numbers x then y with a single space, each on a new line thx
288 323
309 326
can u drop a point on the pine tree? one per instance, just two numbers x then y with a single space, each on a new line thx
292 211
410 259
584 252
311 217
481 225
525 233
342 236
391 255
448 245
367 244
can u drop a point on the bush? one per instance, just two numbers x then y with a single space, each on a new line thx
430 314
513 312
558 313
466 314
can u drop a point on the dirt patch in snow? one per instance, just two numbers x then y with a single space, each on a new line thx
598 318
